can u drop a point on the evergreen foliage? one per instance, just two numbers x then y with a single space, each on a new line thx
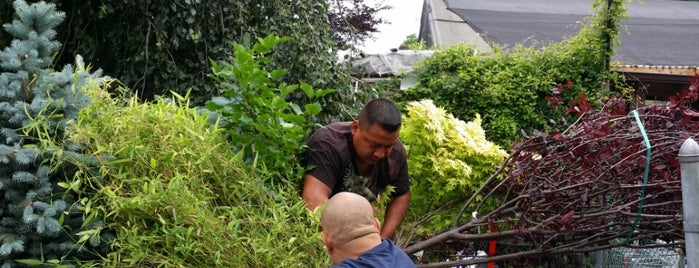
37 222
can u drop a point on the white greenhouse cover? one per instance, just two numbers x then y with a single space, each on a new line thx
392 63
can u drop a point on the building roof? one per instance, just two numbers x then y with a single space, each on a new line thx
657 32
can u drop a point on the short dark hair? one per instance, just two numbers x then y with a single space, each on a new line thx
382 112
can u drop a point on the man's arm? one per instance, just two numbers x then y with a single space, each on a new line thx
395 212
315 192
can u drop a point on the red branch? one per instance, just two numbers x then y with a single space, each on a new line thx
583 189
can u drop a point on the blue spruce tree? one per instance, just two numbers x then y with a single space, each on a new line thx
39 221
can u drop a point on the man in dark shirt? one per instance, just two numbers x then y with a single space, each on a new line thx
364 157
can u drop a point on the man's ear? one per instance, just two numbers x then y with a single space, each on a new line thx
378 224
355 127
326 241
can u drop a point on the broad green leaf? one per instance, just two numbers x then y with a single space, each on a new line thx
274 74
295 107
322 92
285 90
313 108
308 89
284 124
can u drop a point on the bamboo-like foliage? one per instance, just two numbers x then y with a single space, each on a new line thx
177 195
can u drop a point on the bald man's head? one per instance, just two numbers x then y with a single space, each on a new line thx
348 216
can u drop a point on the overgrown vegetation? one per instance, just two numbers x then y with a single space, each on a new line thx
178 196
170 185
157 47
172 42
611 179
163 179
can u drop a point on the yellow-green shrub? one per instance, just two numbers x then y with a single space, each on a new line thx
448 160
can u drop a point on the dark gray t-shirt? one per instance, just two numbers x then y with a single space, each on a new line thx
330 155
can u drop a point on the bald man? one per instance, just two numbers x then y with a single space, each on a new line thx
351 235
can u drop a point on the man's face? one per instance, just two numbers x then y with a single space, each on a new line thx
372 143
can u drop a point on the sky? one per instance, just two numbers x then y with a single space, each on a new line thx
404 19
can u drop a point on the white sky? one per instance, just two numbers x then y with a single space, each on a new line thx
404 19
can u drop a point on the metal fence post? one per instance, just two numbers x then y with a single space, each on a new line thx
689 164
600 258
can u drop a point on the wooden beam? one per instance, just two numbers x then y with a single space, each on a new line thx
662 70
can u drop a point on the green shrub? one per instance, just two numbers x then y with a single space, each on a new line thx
508 88
165 46
255 111
178 196
448 160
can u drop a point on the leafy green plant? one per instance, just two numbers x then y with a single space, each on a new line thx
176 195
507 89
167 46
255 111
448 160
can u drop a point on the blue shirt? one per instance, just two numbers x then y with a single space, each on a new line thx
385 254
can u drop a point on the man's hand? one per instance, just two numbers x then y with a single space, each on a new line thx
395 212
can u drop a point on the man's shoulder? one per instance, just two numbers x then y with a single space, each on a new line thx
339 127
398 150
400 258
336 130
386 254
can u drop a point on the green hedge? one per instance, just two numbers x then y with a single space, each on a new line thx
509 88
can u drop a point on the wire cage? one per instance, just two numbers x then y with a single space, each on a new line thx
660 257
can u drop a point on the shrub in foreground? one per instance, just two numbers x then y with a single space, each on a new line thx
178 196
